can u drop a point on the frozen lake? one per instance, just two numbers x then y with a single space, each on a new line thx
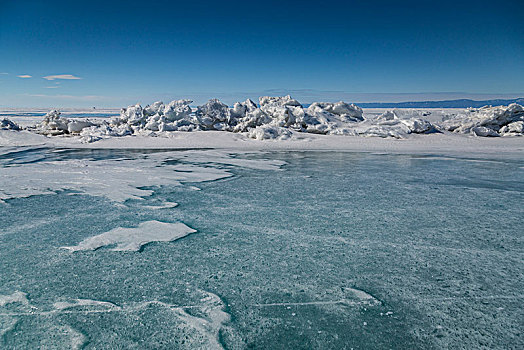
284 249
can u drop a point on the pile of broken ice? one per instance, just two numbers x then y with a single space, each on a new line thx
6 124
278 118
489 121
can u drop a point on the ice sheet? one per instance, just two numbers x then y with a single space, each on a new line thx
119 179
132 239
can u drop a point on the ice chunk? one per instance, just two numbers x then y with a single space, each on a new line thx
266 132
54 124
246 115
483 131
155 108
132 239
387 116
485 121
132 114
418 126
177 110
104 130
340 110
211 113
240 109
76 126
6 124
515 128
279 101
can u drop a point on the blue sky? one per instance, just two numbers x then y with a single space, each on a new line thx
360 51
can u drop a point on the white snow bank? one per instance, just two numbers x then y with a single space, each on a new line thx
132 239
488 121
274 118
280 118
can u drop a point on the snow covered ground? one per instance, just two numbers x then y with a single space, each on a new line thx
278 123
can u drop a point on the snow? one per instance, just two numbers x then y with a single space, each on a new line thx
512 128
266 132
278 123
54 124
120 179
485 121
132 239
6 124
258 122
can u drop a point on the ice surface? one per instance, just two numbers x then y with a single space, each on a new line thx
334 250
117 180
163 205
190 326
120 179
352 298
64 305
16 297
132 239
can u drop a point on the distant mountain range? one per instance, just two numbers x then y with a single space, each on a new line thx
463 103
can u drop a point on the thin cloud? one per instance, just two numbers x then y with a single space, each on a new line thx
1 73
62 76
52 87
25 76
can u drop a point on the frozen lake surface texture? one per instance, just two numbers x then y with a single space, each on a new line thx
285 249
262 226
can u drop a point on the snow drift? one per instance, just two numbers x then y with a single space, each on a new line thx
489 121
279 118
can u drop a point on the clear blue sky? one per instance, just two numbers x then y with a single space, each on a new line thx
130 51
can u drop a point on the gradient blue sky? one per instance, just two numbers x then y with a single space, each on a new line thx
360 51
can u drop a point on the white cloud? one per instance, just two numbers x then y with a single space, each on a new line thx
25 76
52 87
62 76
